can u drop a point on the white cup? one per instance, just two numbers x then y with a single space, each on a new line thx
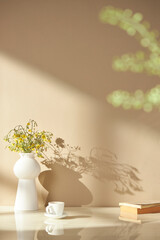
55 208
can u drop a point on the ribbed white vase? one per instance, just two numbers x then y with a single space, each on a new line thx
26 169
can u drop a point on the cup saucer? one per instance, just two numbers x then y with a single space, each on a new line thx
55 216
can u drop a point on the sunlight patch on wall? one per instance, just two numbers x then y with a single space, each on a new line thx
28 93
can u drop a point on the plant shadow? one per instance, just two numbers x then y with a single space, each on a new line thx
66 168
66 184
106 166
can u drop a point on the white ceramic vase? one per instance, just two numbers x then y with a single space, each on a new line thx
26 169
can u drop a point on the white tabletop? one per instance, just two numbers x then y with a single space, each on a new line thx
80 223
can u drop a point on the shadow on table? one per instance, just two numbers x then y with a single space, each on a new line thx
57 231
77 217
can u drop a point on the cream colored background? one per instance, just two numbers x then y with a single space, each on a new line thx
55 68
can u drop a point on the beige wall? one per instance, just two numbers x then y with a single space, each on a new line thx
55 68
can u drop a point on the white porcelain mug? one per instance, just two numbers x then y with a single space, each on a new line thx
55 208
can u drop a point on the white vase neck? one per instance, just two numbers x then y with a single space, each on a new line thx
27 155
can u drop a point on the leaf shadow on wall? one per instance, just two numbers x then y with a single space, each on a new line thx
66 167
106 166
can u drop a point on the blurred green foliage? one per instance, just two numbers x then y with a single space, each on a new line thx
139 62
137 100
